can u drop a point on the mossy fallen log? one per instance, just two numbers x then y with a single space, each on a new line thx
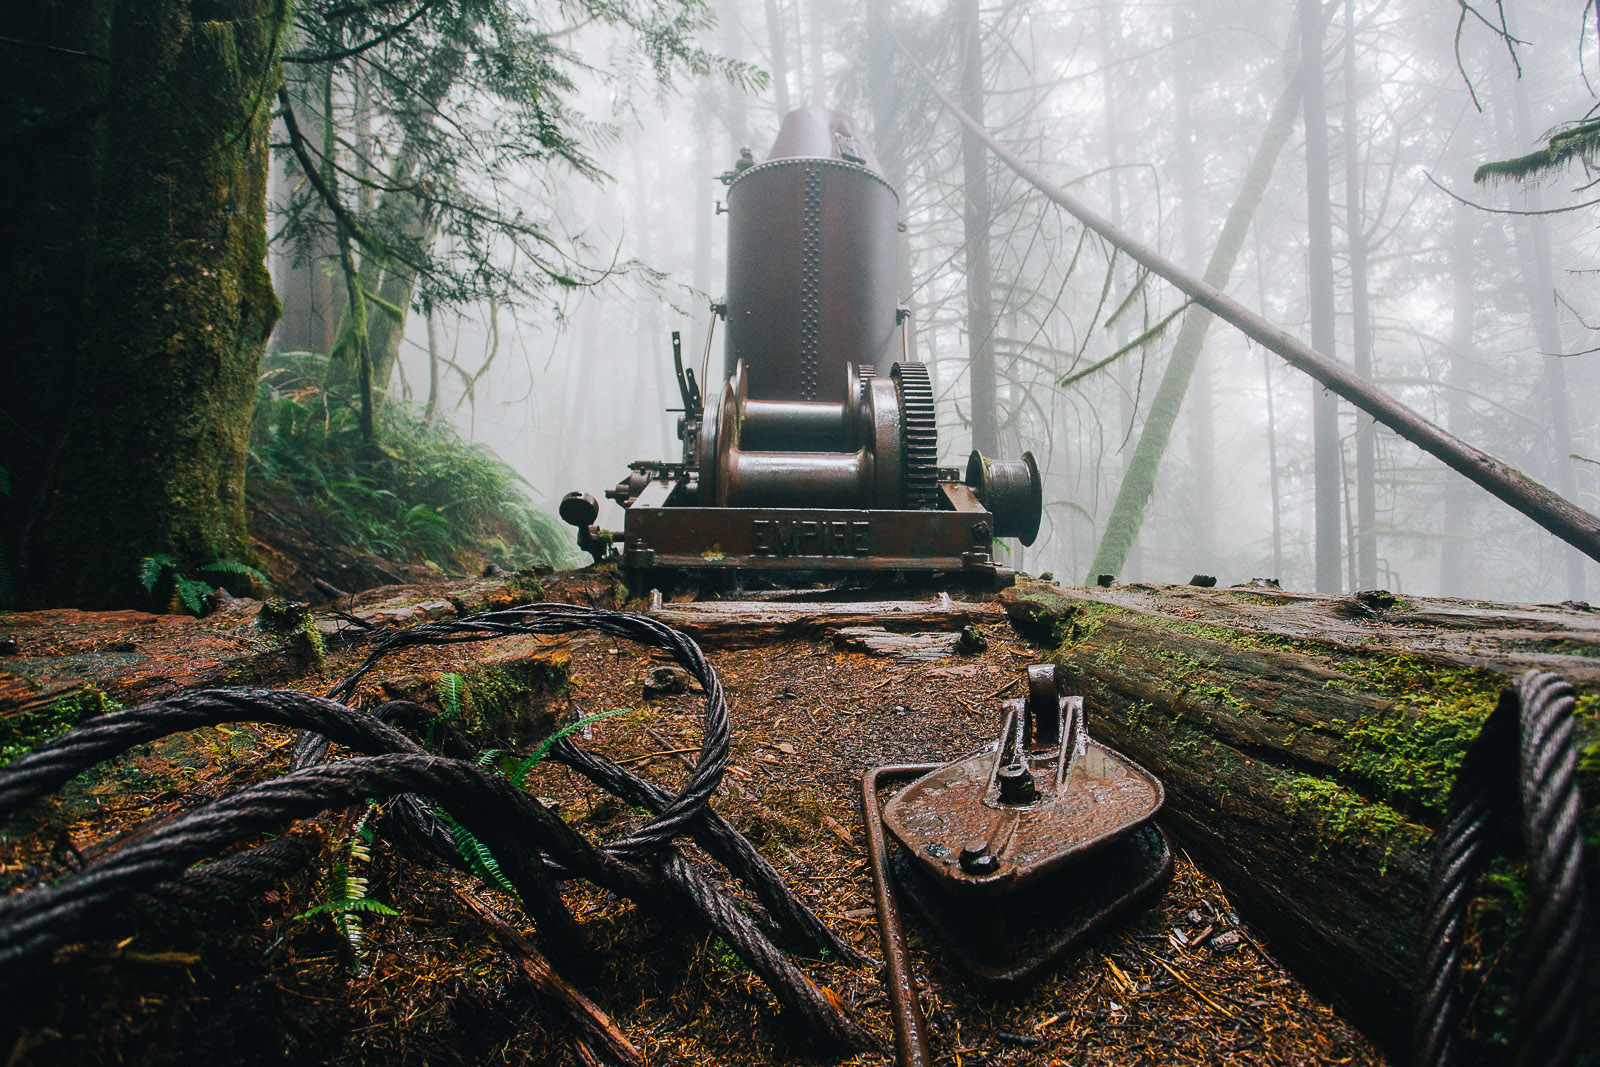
1308 744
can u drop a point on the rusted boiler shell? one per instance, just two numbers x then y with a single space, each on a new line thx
811 262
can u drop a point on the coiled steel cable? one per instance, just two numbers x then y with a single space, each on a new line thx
1518 778
524 835
550 619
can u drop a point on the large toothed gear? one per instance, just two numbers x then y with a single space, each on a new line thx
919 434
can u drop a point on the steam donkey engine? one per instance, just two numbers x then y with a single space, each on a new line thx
821 457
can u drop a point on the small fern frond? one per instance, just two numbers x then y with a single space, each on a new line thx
452 694
539 753
332 907
478 857
233 566
192 593
153 568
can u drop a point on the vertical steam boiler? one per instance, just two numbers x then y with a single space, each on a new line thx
820 458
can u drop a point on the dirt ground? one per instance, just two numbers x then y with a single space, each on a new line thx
1180 982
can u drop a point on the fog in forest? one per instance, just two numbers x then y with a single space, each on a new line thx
1456 297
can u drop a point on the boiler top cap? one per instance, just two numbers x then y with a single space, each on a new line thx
819 133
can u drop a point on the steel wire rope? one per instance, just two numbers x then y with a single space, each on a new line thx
1518 779
550 619
489 804
160 858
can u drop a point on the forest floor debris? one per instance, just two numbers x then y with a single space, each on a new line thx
1181 982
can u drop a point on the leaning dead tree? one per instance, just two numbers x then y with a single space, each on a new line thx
1564 519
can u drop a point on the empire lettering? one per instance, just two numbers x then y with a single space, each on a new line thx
804 537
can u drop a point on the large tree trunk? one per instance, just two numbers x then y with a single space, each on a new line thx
176 308
1307 744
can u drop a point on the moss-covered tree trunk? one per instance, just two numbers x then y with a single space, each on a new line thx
1308 744
1139 482
176 309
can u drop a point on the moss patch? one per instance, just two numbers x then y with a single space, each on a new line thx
1337 812
1413 750
497 705
22 733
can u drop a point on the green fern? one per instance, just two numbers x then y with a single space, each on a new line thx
233 566
419 492
153 568
452 694
478 856
482 861
192 592
344 907
347 889
522 768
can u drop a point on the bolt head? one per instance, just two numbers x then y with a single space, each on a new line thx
1017 785
977 859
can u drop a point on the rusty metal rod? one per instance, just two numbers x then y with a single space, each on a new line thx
1560 516
911 1047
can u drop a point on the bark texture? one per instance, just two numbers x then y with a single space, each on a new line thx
158 360
1308 743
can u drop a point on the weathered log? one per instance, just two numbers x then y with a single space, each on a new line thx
1308 744
747 623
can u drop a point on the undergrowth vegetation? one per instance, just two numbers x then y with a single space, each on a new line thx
417 491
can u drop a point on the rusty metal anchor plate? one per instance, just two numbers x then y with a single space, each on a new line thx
1045 795
1004 945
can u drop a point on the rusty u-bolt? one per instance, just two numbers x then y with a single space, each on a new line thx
911 1047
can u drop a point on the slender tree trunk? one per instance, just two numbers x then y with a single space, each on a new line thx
1455 548
1127 409
780 65
386 323
887 138
1127 512
1273 489
304 274
975 228
177 308
1538 279
432 407
1201 532
1324 406
700 209
733 48
651 344
1366 536
391 277
818 87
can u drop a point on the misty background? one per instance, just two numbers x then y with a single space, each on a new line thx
1481 319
